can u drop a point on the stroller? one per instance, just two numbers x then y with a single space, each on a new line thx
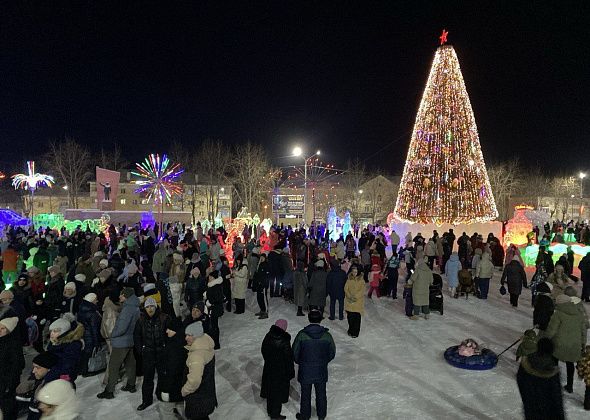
466 284
435 295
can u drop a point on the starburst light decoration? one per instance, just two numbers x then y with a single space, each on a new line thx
159 178
31 180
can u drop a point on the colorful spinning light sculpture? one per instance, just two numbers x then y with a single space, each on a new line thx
159 181
31 181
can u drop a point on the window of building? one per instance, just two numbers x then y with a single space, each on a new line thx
122 190
40 204
201 203
379 198
134 202
223 202
123 201
367 209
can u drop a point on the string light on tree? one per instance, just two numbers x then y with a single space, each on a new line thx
445 178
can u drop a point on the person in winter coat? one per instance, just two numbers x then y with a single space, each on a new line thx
421 281
195 286
122 343
70 301
90 319
253 258
483 274
335 281
240 284
16 309
559 279
567 330
539 384
54 293
313 349
65 342
430 251
149 338
198 315
58 401
21 289
278 369
515 276
392 267
42 364
159 260
260 285
583 368
354 302
543 306
300 287
375 278
200 398
452 269
168 392
12 363
317 286
584 267
214 301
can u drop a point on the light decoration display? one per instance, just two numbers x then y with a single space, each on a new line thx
445 178
159 180
30 182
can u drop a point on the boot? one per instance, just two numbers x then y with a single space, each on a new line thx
300 311
587 398
263 315
106 395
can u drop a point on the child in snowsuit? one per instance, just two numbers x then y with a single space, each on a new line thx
375 278
528 344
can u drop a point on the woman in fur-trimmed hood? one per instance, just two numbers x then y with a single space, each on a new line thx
65 342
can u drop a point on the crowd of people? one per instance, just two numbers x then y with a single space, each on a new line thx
138 302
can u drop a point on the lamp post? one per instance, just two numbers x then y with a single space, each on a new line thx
297 151
581 175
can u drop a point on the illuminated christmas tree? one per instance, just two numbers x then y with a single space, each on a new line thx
445 178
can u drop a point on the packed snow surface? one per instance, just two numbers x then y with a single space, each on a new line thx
394 369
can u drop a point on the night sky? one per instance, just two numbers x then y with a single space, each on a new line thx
346 79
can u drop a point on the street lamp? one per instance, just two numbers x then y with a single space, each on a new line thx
297 151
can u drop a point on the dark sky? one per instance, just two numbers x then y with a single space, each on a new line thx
346 78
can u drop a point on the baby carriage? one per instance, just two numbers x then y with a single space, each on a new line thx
466 284
435 295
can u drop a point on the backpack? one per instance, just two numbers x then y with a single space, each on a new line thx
32 331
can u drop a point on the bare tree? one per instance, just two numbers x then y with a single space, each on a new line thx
355 175
72 162
250 174
379 196
112 158
504 179
212 167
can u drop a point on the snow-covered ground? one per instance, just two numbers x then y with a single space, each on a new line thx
395 369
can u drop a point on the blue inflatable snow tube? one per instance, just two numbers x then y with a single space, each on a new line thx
484 361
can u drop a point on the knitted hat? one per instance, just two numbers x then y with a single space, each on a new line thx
9 323
58 392
131 269
33 270
104 274
562 299
104 263
150 302
23 276
195 329
60 324
315 316
54 269
148 286
80 277
319 263
127 292
71 285
90 297
282 324
570 291
45 359
99 254
200 305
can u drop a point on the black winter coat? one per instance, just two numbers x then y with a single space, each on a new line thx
90 318
335 282
584 267
193 291
12 362
53 296
215 296
279 367
261 277
150 333
543 310
540 388
68 350
203 401
275 265
515 276
174 364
